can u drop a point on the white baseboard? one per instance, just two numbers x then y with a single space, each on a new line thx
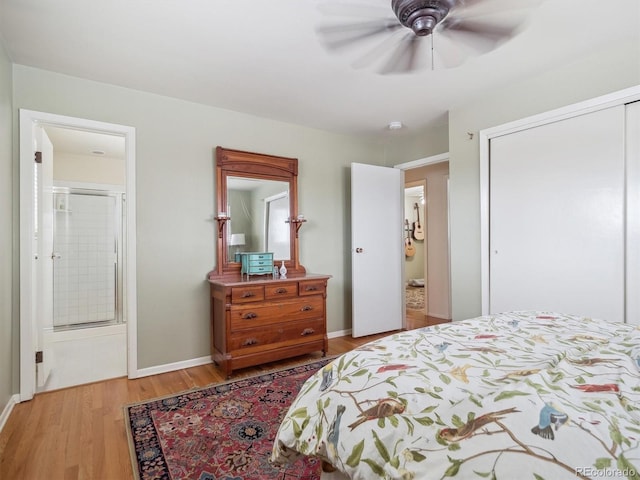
171 367
4 416
339 333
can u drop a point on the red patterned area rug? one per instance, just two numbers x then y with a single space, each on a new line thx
220 432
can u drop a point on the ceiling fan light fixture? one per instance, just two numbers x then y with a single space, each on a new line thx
421 16
423 26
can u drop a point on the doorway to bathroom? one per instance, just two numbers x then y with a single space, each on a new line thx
88 338
77 252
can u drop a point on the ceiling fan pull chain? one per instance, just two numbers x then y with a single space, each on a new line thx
432 54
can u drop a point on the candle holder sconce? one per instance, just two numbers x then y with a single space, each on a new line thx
222 218
297 221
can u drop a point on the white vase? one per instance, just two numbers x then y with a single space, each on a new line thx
283 270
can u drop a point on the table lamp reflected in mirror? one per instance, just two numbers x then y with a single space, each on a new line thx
237 241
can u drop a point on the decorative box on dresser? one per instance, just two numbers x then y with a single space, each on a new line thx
265 319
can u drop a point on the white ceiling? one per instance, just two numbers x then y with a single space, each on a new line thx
264 57
80 142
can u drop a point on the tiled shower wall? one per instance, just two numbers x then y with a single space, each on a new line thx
85 272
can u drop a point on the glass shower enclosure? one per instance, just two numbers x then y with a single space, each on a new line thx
87 241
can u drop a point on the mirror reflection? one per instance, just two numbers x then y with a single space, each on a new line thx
259 211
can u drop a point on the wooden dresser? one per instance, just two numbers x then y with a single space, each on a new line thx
264 319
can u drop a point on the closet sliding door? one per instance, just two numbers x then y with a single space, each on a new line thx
557 217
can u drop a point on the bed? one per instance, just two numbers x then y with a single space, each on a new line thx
517 395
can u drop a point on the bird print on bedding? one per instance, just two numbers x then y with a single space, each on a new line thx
550 418
382 408
470 428
514 395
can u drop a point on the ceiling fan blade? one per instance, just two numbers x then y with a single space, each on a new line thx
478 27
357 10
447 53
488 7
406 57
480 36
378 51
343 35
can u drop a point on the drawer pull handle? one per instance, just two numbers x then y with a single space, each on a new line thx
281 290
248 294
306 308
249 316
310 289
307 331
249 341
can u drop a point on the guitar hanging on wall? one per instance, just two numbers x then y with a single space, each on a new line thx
409 249
418 232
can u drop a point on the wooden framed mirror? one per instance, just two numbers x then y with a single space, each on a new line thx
257 209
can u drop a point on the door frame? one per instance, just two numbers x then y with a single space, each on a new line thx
425 260
29 118
599 103
421 162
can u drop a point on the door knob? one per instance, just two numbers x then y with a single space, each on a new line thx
359 250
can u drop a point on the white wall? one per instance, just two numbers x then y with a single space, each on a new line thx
613 67
70 167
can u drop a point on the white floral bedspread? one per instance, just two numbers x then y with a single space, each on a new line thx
518 395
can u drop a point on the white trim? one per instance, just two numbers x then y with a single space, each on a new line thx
90 186
621 97
28 119
206 360
441 157
339 333
172 367
27 375
4 416
75 334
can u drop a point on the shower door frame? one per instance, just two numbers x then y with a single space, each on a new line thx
28 120
119 196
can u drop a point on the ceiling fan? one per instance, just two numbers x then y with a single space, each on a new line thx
450 31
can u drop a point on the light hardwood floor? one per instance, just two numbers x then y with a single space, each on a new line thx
79 432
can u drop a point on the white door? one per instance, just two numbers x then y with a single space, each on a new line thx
43 315
377 249
556 228
278 230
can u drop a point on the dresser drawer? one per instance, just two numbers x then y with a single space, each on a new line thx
281 290
256 321
259 258
253 316
250 293
290 332
311 288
